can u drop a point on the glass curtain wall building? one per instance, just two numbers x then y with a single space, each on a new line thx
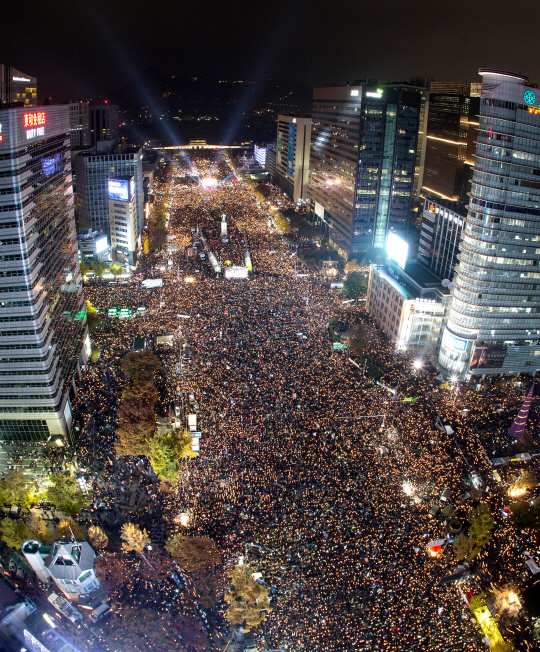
362 163
451 140
494 321
43 334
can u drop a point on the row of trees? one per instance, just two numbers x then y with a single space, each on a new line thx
99 267
62 490
14 532
199 560
137 420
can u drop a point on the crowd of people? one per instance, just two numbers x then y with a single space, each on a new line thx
319 474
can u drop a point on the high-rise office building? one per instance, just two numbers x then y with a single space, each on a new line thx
494 320
292 156
123 220
43 334
79 124
450 140
104 122
17 86
440 233
93 169
362 162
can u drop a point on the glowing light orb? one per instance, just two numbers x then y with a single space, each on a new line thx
209 182
183 519
408 489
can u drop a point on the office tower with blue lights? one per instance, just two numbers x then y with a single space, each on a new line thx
43 334
362 162
494 321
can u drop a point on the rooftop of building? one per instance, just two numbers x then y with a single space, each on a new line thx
68 559
400 288
328 255
454 206
93 152
9 597
502 73
421 276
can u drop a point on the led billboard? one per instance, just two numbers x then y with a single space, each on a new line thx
236 272
397 250
488 357
453 342
119 189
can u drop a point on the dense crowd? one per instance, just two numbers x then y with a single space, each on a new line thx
300 455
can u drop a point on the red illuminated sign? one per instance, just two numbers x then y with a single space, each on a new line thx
34 119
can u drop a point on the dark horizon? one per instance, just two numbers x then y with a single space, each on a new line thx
86 50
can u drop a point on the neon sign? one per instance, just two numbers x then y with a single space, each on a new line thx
1 135
34 119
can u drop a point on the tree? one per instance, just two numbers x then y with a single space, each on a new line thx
133 538
166 451
135 411
14 532
161 458
65 493
114 570
84 269
141 391
207 584
156 565
133 437
140 366
247 599
97 537
116 269
158 238
92 316
67 527
190 631
17 489
526 515
39 529
355 285
527 480
99 267
480 534
193 553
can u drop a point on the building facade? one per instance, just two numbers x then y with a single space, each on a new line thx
292 156
70 564
93 171
450 140
362 163
17 86
123 220
440 234
494 321
104 123
79 124
43 327
93 245
409 306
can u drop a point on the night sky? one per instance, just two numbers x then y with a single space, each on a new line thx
81 50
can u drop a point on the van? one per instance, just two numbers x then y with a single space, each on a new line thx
100 612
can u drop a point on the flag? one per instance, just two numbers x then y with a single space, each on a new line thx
517 429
